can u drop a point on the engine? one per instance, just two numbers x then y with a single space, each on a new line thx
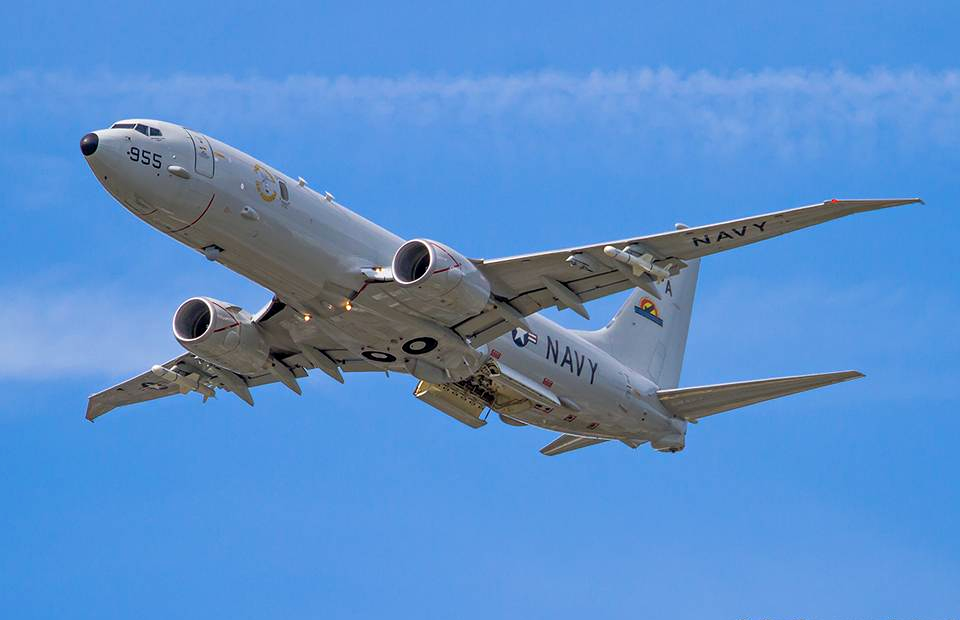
439 280
222 334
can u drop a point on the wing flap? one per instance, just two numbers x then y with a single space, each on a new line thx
693 403
488 325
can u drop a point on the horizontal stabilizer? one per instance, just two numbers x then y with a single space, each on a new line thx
693 403
566 443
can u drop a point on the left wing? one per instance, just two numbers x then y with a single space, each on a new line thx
573 276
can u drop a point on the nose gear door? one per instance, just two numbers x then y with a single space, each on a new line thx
203 152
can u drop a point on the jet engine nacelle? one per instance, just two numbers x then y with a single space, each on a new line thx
440 280
222 334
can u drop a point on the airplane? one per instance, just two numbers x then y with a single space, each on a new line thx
350 296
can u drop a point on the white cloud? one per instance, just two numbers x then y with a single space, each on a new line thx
792 110
50 331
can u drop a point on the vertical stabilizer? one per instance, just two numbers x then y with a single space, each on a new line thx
649 335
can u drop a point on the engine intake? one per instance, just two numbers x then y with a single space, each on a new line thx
222 334
413 262
439 280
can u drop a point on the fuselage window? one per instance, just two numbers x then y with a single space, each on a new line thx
122 126
155 133
141 128
284 194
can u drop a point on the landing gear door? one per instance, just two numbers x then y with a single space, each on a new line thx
203 154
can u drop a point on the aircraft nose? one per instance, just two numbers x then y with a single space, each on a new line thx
89 143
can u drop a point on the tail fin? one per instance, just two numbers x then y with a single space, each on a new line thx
649 335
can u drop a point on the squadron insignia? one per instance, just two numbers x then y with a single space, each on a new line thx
647 309
266 183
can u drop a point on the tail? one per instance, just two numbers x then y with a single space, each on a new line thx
649 335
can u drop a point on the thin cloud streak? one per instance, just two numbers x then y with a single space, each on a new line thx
791 109
56 332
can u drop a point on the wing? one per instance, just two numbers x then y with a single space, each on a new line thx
572 276
292 359
139 389
194 374
693 403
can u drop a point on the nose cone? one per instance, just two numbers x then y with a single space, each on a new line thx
89 144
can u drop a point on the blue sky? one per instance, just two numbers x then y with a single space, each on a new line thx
498 130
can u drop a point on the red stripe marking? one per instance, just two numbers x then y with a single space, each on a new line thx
198 219
456 263
236 323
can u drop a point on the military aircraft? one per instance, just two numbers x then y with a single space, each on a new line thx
350 296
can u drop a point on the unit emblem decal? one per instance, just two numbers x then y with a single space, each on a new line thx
266 183
647 309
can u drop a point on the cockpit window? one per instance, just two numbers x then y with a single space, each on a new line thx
146 130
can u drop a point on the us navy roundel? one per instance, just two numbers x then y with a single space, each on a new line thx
522 337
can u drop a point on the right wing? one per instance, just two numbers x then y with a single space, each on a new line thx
189 373
198 375
139 389
693 403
